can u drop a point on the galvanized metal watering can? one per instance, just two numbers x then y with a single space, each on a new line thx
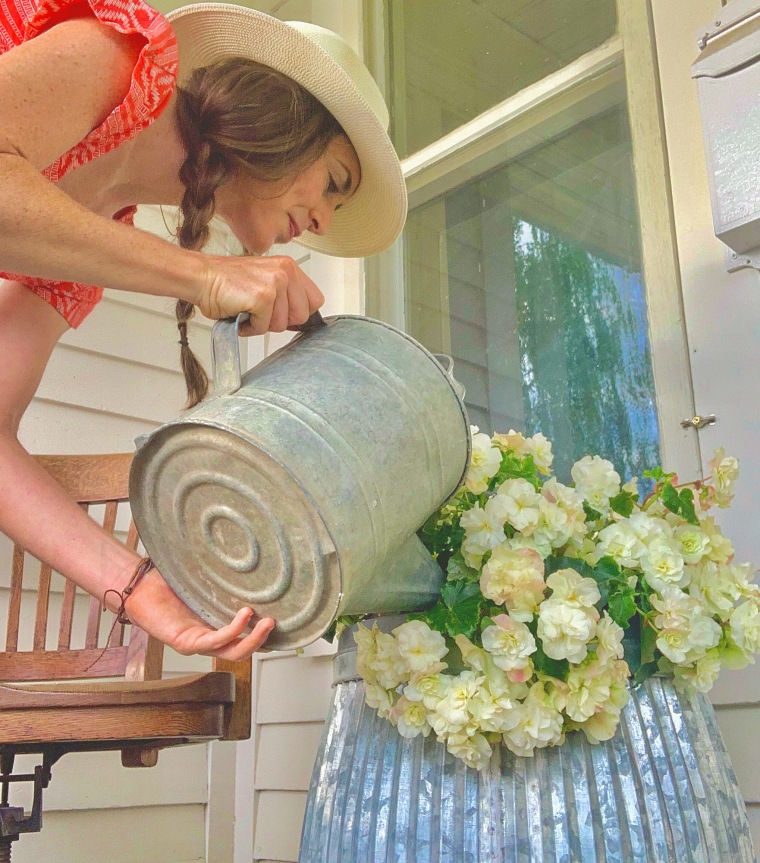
299 486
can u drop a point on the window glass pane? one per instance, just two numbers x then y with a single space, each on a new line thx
450 60
530 277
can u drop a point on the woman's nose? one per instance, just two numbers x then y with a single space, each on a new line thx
321 218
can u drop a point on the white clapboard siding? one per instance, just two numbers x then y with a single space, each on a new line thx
145 834
114 378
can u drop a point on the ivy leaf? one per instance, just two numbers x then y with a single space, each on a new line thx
686 496
458 570
671 499
622 607
623 503
553 564
457 613
608 566
591 513
655 473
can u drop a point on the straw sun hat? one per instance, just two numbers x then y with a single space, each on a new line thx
325 65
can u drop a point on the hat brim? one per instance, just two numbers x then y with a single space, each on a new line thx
372 219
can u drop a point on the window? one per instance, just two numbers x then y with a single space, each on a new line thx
523 256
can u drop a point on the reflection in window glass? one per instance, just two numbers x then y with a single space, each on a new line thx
450 60
530 277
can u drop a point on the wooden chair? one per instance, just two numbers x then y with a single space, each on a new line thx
75 709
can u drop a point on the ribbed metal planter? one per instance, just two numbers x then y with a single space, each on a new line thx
661 791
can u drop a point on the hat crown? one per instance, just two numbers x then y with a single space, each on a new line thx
344 55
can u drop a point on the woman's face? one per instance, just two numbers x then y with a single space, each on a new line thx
262 214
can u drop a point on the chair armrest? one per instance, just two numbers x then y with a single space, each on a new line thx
239 725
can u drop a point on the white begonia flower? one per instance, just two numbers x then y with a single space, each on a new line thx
701 676
473 749
513 441
596 480
571 587
420 646
717 587
541 449
589 690
535 542
411 718
690 642
609 638
745 627
663 566
509 641
632 486
499 682
427 686
514 578
648 528
554 524
674 608
366 652
451 713
620 542
389 668
533 724
483 526
724 471
693 542
484 462
721 547
516 502
380 699
601 726
565 629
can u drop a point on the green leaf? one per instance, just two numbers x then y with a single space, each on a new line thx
623 503
644 672
622 607
458 570
648 643
686 496
558 668
553 564
591 513
655 474
454 592
608 566
671 499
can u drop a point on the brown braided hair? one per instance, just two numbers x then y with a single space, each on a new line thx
238 116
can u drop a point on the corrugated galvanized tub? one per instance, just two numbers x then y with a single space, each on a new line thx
661 791
298 487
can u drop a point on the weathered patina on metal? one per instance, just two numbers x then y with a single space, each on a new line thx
298 488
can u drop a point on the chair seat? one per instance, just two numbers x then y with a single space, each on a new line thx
188 708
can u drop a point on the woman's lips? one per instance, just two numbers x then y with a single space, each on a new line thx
295 231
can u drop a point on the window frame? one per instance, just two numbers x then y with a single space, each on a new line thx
627 60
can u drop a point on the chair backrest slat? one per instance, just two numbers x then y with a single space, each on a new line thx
43 600
89 480
14 601
67 615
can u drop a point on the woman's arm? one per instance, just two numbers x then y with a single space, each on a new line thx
52 93
37 514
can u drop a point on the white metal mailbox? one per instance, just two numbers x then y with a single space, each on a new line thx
728 78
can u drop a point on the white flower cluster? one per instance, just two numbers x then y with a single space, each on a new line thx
698 608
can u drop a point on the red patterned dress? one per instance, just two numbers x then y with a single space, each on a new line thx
153 81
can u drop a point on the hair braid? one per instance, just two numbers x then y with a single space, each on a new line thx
202 172
238 116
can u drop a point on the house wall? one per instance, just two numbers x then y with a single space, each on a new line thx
723 321
723 324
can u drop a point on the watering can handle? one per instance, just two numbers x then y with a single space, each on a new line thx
447 364
225 350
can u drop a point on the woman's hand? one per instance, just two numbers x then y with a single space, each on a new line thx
156 609
274 290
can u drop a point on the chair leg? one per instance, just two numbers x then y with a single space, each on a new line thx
5 848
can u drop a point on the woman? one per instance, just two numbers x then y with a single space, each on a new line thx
277 128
